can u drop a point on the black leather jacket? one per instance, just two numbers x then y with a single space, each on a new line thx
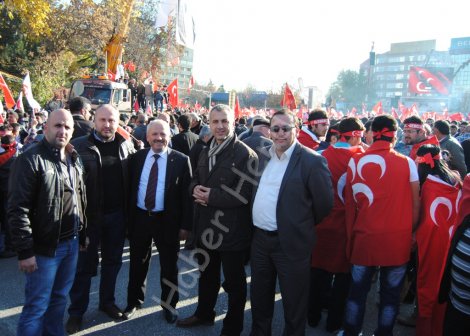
35 200
91 157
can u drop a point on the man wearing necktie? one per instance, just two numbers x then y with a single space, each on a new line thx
159 210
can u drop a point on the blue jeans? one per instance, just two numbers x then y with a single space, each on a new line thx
46 292
110 236
391 281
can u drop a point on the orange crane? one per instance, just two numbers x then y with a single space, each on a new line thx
115 45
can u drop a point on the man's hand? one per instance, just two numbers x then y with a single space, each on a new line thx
201 194
183 234
28 265
84 247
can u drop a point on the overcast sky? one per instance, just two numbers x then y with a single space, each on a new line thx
265 43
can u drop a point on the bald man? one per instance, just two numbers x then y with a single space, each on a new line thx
46 203
104 153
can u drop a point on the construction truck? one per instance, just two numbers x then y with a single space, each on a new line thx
102 89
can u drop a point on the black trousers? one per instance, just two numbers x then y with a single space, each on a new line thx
233 266
456 323
147 229
337 286
268 262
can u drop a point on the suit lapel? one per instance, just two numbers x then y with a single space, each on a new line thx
170 168
290 167
140 165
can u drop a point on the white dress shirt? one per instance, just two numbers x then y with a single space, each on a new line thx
160 192
265 204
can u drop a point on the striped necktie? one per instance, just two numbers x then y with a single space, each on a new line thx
152 185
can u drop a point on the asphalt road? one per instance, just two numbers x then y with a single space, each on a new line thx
149 320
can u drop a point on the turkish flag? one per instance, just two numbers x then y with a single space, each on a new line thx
377 109
236 109
172 90
329 252
136 106
288 99
9 101
125 134
437 222
456 117
190 84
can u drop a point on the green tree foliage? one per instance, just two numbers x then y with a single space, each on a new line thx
57 41
350 87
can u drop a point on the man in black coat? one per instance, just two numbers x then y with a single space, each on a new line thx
259 139
159 206
221 189
185 139
80 108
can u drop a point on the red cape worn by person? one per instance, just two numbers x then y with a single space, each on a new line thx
378 204
329 252
308 139
432 140
439 206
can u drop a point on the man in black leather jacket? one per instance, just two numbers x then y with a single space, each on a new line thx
104 153
46 204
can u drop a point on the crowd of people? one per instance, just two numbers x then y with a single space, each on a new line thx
323 207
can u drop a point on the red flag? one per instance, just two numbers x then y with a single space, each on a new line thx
236 109
125 134
414 110
394 113
172 90
9 101
111 76
352 113
288 99
197 106
136 106
190 84
19 102
148 110
437 221
456 117
377 109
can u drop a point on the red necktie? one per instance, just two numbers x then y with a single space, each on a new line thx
152 185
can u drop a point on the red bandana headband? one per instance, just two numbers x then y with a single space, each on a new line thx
321 121
428 159
333 131
414 126
355 133
384 132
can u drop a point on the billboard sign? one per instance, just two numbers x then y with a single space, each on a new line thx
433 81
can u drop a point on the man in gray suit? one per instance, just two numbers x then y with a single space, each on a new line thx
294 194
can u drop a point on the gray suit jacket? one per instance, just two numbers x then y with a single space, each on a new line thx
305 198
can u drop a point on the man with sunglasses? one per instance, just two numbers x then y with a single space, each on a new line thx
294 193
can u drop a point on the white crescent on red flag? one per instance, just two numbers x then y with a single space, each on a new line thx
172 90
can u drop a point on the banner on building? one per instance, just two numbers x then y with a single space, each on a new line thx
435 81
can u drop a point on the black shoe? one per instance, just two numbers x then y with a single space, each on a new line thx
170 315
130 311
74 324
112 311
193 321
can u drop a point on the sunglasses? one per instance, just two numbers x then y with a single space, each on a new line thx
285 128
